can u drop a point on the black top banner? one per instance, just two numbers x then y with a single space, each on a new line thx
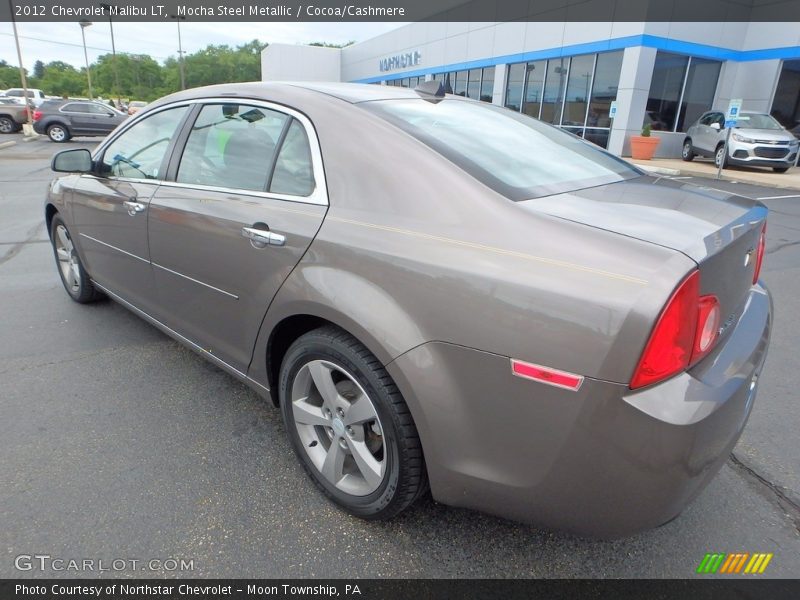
397 589
403 10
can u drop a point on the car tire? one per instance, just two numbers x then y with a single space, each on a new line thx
58 133
780 169
687 153
720 155
70 268
349 425
8 125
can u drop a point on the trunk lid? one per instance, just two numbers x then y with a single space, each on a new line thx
718 230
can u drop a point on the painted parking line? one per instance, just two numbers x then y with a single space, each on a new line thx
778 197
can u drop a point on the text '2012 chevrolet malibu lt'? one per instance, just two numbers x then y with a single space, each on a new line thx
438 293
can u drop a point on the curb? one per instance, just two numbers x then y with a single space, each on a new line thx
658 170
7 144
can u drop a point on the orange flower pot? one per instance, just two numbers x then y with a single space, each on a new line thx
643 148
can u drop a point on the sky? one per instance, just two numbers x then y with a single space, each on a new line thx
62 41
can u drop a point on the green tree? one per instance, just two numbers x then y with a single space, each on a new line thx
61 79
38 69
9 75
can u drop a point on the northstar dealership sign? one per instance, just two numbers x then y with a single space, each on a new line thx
400 61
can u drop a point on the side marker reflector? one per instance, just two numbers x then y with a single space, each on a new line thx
554 377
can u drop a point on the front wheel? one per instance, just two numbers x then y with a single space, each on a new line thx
74 277
58 133
350 426
687 153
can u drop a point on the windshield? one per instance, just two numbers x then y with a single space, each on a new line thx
757 121
513 154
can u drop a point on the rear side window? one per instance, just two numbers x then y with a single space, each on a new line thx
515 155
294 174
76 107
232 146
139 151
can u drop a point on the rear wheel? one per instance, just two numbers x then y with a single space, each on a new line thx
780 169
720 157
7 125
58 133
74 277
350 426
687 153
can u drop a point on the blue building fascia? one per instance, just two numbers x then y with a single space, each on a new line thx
648 41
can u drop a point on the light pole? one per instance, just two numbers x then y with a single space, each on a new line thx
84 24
29 125
178 19
113 51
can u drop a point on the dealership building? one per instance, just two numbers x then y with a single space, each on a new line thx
603 81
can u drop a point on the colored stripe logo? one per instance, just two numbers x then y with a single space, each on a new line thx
734 563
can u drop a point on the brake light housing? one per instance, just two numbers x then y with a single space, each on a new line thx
37 114
686 330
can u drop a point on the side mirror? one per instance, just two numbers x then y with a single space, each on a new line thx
715 126
77 160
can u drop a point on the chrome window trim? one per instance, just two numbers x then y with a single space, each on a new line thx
318 197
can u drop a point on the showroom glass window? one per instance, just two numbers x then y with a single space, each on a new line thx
786 104
514 84
554 83
139 151
682 89
576 100
534 87
574 93
231 146
487 84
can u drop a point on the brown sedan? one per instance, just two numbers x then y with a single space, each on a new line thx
436 292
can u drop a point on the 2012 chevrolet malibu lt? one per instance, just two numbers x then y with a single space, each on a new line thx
436 292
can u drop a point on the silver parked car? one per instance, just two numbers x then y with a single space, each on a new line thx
757 140
436 292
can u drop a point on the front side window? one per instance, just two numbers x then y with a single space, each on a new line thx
514 155
232 146
139 151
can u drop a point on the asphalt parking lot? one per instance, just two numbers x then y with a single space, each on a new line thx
118 443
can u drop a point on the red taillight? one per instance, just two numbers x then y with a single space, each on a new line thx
669 349
37 114
707 327
762 244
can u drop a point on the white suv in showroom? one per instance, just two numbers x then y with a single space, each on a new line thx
757 140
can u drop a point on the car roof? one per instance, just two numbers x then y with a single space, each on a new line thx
349 92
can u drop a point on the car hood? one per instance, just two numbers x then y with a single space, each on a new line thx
695 220
767 135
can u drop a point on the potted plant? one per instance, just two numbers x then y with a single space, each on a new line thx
644 146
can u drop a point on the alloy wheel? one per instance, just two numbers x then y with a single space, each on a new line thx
67 260
57 134
6 125
338 427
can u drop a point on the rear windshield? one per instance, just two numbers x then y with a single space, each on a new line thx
515 155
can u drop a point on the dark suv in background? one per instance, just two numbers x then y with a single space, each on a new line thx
63 119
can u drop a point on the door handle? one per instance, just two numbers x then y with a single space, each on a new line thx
263 237
133 208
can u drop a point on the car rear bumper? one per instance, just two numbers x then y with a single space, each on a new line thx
603 461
